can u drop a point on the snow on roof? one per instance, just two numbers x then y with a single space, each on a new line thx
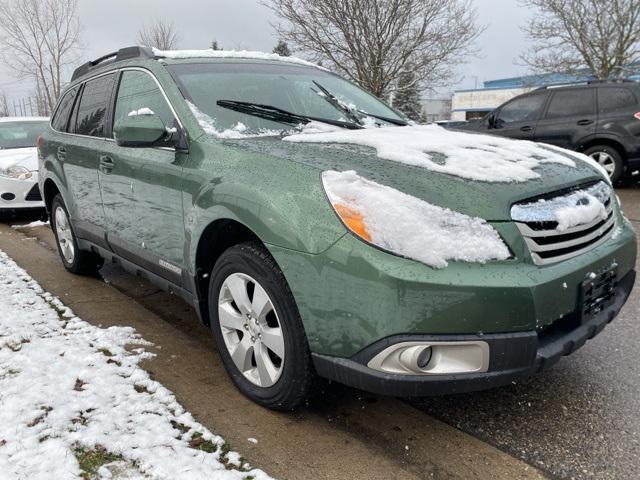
24 119
413 228
231 54
467 155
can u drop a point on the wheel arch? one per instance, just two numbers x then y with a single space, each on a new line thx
218 236
609 142
50 190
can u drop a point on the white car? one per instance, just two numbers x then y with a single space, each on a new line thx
19 163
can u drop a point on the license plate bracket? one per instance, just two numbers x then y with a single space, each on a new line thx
597 292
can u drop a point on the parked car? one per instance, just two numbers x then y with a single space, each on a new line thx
451 123
600 119
19 164
403 260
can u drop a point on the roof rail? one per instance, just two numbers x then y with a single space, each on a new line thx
622 80
585 82
126 53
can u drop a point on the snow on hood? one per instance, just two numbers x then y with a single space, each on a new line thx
411 227
467 155
24 157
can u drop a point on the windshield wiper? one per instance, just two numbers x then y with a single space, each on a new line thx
333 100
276 114
353 113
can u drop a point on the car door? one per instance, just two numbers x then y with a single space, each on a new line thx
570 118
141 187
81 155
519 117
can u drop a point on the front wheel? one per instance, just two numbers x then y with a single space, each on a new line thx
609 159
258 329
74 260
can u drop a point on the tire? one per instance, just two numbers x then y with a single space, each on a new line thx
240 330
74 260
609 158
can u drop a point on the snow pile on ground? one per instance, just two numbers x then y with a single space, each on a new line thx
75 402
34 224
231 54
577 208
411 227
238 131
467 155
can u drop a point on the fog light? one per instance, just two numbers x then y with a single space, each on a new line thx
433 358
424 357
8 196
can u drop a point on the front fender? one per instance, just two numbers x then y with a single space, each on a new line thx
282 202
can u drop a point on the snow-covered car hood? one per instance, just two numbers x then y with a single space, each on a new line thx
24 157
478 175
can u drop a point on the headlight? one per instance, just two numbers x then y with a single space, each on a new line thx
17 172
410 227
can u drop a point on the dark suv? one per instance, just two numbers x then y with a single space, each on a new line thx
600 119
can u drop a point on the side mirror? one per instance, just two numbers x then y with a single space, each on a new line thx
142 129
491 121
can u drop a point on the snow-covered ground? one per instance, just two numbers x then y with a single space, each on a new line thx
74 402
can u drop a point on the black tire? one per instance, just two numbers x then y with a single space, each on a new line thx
613 154
297 375
83 263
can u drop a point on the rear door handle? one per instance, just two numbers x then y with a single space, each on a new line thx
62 154
526 128
585 122
106 164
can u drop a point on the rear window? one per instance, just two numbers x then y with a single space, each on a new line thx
612 99
92 110
61 117
572 103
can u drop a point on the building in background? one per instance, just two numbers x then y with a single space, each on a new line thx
435 109
476 103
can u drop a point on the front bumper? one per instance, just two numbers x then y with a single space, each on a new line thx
20 194
513 356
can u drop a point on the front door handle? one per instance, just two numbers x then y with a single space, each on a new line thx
585 122
526 128
106 164
62 154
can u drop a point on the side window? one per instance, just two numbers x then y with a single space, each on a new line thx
521 109
92 109
612 99
61 118
572 103
138 91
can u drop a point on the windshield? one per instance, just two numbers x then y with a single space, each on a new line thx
20 134
294 89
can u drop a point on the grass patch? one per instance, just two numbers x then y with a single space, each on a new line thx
199 443
105 351
90 461
140 388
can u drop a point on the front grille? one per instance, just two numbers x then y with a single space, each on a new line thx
538 226
33 195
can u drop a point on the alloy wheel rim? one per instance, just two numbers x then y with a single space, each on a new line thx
606 160
251 329
65 237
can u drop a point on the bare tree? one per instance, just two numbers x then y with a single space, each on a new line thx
160 34
39 39
569 35
373 41
4 105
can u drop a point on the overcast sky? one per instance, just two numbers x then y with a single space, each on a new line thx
246 24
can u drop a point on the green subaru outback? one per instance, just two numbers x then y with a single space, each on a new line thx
319 233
